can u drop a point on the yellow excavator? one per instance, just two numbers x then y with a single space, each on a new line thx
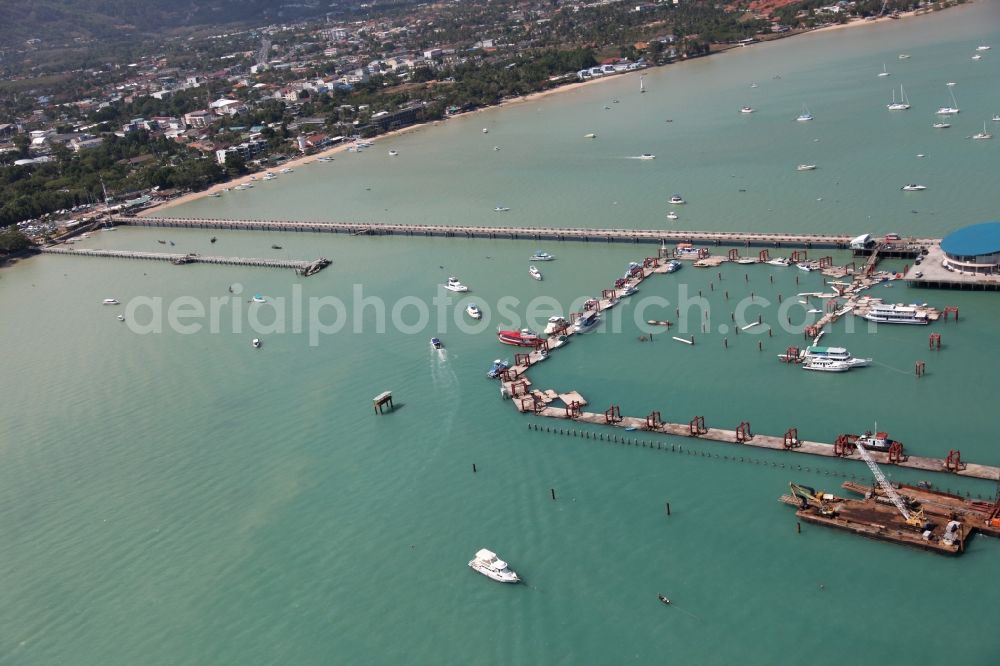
809 497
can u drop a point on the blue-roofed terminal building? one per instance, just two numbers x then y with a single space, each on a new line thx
974 249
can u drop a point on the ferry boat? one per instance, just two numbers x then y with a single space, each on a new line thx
453 284
825 365
436 343
473 311
498 367
555 322
587 321
835 354
523 338
539 255
913 187
677 200
806 167
110 301
487 563
897 314
534 273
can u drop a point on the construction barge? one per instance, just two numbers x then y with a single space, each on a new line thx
939 522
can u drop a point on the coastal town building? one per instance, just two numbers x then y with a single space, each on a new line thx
248 150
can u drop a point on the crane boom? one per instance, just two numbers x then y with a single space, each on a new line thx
884 482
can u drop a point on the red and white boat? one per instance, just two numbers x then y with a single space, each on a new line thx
523 338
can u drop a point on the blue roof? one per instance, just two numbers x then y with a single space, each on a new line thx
977 239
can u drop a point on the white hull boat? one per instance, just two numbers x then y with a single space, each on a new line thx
487 563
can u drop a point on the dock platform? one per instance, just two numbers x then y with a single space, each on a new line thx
304 268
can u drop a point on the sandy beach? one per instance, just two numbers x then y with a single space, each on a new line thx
559 89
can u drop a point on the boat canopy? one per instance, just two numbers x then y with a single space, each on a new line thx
862 241
487 555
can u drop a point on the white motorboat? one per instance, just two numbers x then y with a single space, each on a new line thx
269 176
590 135
805 116
215 195
807 267
496 147
485 131
487 563
534 273
587 322
941 125
982 135
746 260
628 290
897 314
647 156
256 343
454 284
825 365
673 266
540 255
835 354
393 153
257 298
436 343
983 47
806 167
977 57
473 311
121 317
110 301
746 109
672 215
778 261
996 118
554 324
884 72
903 56
913 187
501 209
677 200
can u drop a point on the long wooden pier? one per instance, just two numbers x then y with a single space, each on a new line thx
305 268
743 238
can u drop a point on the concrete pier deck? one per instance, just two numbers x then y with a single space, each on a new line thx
304 268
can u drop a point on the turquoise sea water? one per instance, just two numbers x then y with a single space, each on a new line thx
181 498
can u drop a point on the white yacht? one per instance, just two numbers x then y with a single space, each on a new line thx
825 365
897 314
903 56
778 261
540 255
835 354
590 135
983 47
746 109
534 273
977 57
913 187
473 311
629 290
454 284
647 156
941 125
555 323
501 209
487 563
806 167
673 266
485 131
677 200
110 301
982 135
587 322
393 153
996 118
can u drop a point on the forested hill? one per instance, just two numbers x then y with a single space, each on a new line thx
61 20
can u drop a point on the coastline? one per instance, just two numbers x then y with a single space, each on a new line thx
558 89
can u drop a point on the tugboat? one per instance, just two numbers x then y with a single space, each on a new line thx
878 441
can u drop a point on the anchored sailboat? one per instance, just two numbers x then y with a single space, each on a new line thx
902 105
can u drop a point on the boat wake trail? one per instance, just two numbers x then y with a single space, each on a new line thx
889 367
446 385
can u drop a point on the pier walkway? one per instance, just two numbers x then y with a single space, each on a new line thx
743 238
305 268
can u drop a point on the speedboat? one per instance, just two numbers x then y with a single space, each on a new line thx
121 317
677 200
903 56
539 255
487 563
590 135
501 209
913 187
393 153
983 47
672 215
554 324
825 365
941 125
453 284
269 176
523 338
673 266
746 260
806 167
647 156
215 195
996 118
746 109
534 273
977 57
436 343
778 261
629 290
498 367
805 267
587 322
473 311
255 343
485 131
257 298
285 170
110 301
